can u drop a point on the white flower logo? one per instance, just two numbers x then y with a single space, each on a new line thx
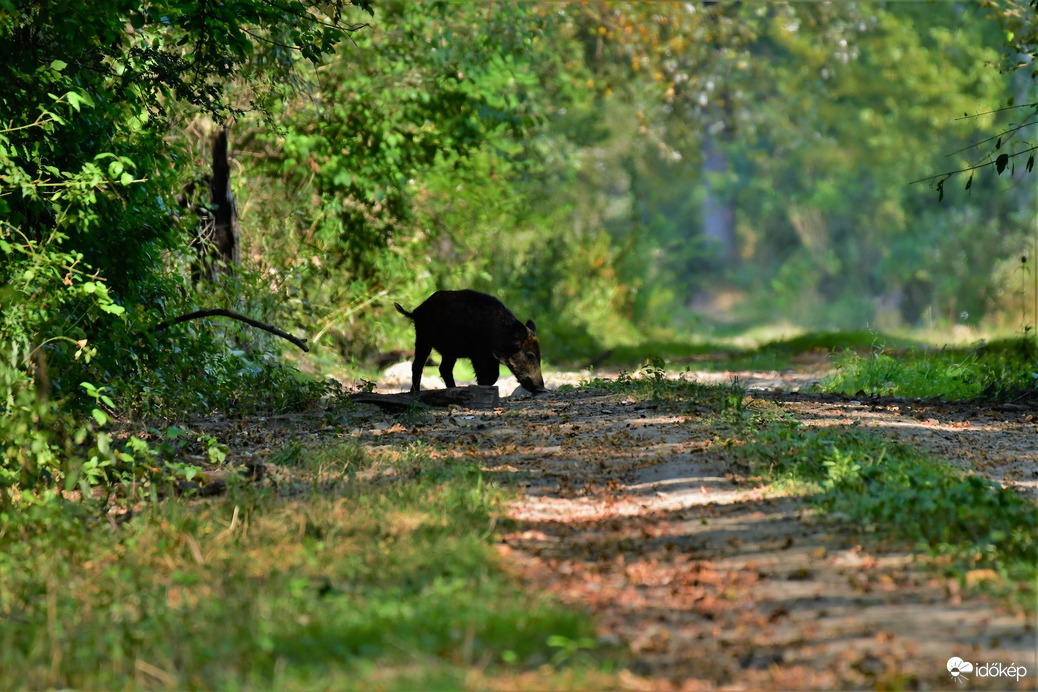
957 668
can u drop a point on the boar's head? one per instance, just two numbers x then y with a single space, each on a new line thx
525 359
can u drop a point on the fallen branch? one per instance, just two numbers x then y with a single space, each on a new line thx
221 312
472 397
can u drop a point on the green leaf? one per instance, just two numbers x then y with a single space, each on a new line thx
58 65
76 99
113 309
100 416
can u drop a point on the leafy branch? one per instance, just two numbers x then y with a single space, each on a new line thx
997 138
316 20
1000 162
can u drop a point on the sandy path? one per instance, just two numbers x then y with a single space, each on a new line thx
630 512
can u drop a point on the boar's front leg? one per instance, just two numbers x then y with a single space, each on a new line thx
447 370
487 370
422 352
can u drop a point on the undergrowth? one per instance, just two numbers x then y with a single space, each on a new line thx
967 521
325 581
1002 370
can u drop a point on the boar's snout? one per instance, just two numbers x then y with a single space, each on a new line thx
533 384
525 364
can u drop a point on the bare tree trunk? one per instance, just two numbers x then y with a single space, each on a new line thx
218 229
718 207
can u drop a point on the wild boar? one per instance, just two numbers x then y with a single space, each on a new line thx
474 325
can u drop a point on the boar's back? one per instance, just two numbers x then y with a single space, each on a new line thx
466 323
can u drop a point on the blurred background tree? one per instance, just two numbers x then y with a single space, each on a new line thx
617 169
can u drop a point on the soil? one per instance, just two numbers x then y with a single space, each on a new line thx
702 579
705 581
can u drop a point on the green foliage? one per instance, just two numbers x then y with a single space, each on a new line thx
884 487
47 294
1007 145
428 83
815 152
1001 371
854 243
433 144
358 582
89 241
219 364
544 153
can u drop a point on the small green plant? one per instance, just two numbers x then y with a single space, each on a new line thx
569 650
214 449
624 382
656 372
733 399
901 493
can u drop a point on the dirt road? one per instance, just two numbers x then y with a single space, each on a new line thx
632 512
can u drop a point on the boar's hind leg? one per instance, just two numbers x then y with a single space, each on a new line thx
421 355
447 370
486 370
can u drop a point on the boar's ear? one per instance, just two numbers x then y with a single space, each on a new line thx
531 326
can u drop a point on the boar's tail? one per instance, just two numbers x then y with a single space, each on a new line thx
405 313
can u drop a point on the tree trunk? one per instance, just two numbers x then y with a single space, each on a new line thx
218 229
718 207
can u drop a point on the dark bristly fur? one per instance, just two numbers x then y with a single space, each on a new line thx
474 325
